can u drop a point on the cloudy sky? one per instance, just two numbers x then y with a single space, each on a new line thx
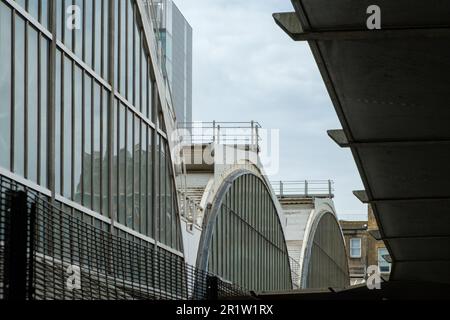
246 68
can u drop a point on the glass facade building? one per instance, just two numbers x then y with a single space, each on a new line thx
175 37
81 118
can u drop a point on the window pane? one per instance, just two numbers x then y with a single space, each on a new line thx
115 160
122 165
116 42
19 96
87 155
44 13
129 172
169 212
96 148
137 67
67 129
58 122
32 104
144 82
144 179
22 3
162 189
79 34
105 26
137 173
33 9
97 34
384 266
43 108
88 33
60 14
123 46
105 163
5 85
67 32
130 57
78 135
150 186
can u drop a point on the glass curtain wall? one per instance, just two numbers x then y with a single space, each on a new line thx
112 160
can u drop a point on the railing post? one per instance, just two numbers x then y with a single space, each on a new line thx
252 134
214 131
257 139
281 189
330 189
16 247
218 134
306 188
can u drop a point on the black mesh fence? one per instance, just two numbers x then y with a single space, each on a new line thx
48 254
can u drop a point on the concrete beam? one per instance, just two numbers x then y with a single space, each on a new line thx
362 196
339 137
327 35
289 23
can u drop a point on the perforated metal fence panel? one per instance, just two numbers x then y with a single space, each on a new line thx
68 259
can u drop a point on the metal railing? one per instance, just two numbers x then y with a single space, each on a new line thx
295 273
227 133
48 254
190 210
305 188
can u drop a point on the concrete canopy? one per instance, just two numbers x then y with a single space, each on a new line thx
390 89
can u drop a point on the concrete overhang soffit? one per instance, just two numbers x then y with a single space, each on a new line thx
290 23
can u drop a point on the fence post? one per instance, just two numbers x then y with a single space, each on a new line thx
306 188
16 241
213 288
